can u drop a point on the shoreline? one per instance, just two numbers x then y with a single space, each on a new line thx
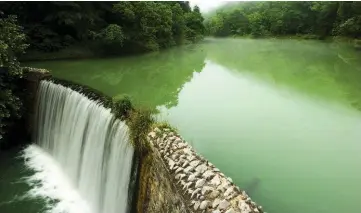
296 37
80 53
83 51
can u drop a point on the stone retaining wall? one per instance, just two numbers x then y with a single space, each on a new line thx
203 187
33 77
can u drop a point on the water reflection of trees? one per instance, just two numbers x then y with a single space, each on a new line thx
311 67
151 80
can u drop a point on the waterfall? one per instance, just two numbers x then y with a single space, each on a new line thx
88 143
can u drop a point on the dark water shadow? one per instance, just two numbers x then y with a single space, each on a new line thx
252 186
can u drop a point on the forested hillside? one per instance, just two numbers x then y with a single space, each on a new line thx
57 30
317 19
121 27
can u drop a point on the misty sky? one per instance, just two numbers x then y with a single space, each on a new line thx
207 5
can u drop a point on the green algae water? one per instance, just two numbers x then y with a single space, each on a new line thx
281 117
14 188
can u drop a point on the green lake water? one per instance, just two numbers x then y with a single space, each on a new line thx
285 112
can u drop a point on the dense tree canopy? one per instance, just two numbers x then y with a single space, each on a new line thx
118 26
105 27
11 44
287 18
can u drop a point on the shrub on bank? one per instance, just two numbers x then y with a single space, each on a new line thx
140 123
122 107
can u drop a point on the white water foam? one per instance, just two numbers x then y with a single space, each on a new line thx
51 184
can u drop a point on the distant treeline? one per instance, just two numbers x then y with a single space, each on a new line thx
106 26
319 19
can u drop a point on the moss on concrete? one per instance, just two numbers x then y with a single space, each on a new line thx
156 191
